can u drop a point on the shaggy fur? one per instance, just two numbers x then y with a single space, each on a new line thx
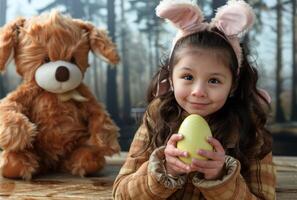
38 131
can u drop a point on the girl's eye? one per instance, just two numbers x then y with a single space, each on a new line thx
214 81
46 59
72 60
188 77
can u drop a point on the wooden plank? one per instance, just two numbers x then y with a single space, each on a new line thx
99 186
285 163
286 188
62 186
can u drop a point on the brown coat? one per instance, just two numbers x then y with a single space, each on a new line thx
144 177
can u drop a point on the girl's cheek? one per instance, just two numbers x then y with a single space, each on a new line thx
181 90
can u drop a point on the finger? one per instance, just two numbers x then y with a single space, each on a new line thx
174 139
212 155
216 144
177 164
177 170
174 152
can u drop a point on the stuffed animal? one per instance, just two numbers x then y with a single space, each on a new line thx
52 122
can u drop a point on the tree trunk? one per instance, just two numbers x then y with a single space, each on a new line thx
150 43
150 56
126 77
279 112
216 4
111 88
75 8
3 7
246 41
2 88
294 63
157 38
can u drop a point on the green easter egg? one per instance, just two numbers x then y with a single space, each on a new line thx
195 131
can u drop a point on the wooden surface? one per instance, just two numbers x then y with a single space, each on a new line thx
63 186
286 177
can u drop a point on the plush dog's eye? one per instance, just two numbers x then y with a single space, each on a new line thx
46 60
72 60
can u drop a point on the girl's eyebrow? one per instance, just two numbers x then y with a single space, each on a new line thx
218 74
186 68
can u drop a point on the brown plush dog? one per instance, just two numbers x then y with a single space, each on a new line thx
52 122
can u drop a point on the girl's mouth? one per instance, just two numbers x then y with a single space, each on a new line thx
199 105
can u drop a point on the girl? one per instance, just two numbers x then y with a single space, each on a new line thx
207 73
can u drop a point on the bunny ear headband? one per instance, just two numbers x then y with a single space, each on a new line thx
233 19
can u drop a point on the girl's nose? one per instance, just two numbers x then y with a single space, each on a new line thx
199 90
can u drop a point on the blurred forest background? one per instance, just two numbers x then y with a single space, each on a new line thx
143 39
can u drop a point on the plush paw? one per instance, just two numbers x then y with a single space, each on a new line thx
16 131
84 161
107 139
113 147
18 165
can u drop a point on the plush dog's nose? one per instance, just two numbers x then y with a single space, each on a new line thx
62 74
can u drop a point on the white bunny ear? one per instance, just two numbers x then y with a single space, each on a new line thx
235 18
185 15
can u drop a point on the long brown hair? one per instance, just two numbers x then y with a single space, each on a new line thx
243 114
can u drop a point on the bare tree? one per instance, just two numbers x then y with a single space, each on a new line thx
3 7
125 62
294 63
279 115
146 15
93 12
111 87
216 4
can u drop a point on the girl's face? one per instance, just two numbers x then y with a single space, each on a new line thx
201 81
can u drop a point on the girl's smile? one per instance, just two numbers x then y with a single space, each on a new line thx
201 81
200 106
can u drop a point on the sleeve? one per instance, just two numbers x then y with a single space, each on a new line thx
234 186
143 176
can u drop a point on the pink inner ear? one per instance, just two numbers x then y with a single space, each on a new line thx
232 23
234 18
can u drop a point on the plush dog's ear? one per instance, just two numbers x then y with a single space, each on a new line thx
8 39
100 43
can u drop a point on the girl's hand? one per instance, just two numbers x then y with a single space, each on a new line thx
214 167
173 165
